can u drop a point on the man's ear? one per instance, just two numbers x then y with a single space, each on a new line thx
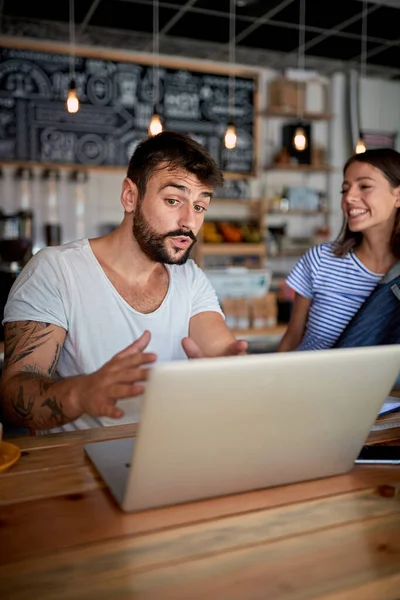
129 195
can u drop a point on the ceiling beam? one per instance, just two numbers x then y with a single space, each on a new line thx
177 17
181 47
391 3
265 21
335 30
266 17
376 51
1 14
88 16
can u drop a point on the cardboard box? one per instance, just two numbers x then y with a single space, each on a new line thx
264 311
316 100
286 95
237 312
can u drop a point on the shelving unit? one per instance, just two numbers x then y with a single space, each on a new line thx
307 116
255 208
255 332
257 211
303 213
281 175
238 249
250 202
295 253
287 114
300 168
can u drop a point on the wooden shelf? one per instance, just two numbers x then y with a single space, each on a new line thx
308 116
250 202
255 212
55 166
299 168
289 253
305 213
225 249
260 332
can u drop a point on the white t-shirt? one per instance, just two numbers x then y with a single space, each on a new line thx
66 286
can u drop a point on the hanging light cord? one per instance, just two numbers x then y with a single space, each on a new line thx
301 62
156 49
363 69
232 58
72 39
360 146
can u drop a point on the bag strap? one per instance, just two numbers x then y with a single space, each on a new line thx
392 273
396 290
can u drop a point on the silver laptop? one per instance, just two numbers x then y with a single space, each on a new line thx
211 427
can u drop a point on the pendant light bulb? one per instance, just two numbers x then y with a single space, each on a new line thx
72 103
230 137
300 139
155 126
360 147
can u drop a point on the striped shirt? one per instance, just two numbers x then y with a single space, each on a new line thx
337 286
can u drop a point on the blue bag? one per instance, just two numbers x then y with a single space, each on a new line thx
377 321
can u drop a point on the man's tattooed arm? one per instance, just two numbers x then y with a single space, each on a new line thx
23 338
32 395
51 370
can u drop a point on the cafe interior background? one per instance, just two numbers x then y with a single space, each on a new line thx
302 84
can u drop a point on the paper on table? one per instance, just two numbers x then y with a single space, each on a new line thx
391 404
132 408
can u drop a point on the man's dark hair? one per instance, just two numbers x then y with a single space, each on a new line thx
172 150
387 161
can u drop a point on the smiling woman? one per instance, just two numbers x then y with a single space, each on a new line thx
333 280
370 202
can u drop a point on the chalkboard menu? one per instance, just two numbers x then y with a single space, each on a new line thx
117 102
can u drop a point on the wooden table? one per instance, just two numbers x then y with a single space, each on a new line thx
62 536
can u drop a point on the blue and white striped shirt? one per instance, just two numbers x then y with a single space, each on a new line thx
337 286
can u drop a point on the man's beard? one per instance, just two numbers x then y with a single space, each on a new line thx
153 245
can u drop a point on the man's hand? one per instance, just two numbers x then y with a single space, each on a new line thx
119 378
236 348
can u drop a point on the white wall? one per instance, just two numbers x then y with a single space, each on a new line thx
380 106
338 149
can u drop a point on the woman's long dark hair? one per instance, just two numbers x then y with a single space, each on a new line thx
388 162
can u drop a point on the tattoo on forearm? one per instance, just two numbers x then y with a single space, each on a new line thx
45 385
30 397
23 339
56 409
23 410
